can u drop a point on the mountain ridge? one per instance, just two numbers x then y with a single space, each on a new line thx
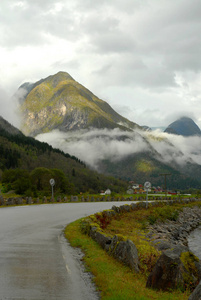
60 102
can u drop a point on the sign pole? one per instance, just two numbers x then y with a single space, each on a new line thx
52 183
147 186
52 192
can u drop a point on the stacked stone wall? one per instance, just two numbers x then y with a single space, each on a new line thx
170 238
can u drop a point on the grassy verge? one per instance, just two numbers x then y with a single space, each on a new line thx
113 279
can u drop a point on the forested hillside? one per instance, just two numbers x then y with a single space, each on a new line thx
18 153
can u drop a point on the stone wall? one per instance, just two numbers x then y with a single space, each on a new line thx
72 198
174 267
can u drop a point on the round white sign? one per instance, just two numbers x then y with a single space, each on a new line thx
147 185
52 182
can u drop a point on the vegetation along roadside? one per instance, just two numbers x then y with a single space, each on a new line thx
113 279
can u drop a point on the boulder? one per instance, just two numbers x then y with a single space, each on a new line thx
162 244
125 208
196 295
126 252
103 240
2 202
10 201
168 272
74 198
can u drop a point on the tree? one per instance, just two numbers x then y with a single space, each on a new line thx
40 178
18 180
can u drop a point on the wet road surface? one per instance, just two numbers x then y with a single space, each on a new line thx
36 261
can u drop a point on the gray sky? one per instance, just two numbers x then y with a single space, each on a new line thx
141 56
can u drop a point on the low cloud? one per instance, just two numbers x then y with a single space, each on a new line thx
92 146
176 148
9 109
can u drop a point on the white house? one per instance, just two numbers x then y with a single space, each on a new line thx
108 192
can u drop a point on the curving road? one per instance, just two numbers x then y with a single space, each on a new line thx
36 262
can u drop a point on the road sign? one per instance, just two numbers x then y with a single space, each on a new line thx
147 185
52 182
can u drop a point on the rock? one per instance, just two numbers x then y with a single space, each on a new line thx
10 201
18 200
2 202
168 271
176 232
198 266
196 295
126 252
109 213
28 200
162 244
59 199
74 198
116 209
126 208
103 240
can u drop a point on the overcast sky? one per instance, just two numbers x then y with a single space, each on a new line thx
141 56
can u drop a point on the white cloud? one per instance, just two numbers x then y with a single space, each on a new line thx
95 145
176 148
9 109
92 146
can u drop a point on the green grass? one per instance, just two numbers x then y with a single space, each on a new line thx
112 278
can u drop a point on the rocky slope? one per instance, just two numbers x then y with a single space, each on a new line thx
60 102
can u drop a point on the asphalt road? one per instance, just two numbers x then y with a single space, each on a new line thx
36 261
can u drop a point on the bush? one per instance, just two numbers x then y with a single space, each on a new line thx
162 214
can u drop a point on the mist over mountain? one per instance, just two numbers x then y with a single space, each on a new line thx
137 155
26 155
64 114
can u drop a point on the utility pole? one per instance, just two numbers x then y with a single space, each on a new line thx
165 176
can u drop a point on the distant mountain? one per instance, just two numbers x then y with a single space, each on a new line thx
184 126
60 102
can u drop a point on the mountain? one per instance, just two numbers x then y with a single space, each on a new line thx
184 126
92 131
60 102
143 167
18 151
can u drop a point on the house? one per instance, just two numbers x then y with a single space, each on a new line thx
107 192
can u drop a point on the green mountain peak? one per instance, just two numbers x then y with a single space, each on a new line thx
60 102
